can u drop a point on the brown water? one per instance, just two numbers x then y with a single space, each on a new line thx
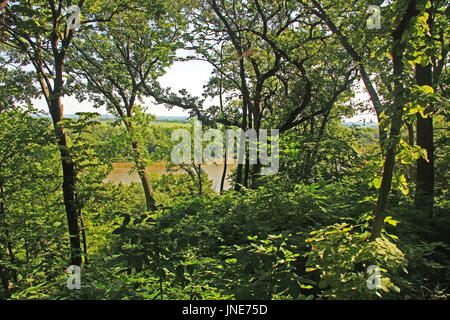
121 173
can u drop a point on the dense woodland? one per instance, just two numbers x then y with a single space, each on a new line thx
343 199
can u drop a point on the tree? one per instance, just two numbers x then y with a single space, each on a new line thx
116 61
268 68
39 33
397 51
12 92
25 147
359 57
430 59
404 16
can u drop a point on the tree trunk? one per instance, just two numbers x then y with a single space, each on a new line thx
386 182
245 108
83 237
237 185
198 170
225 159
256 169
247 153
317 143
68 184
53 98
150 201
425 169
396 120
224 172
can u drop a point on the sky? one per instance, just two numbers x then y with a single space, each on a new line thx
190 75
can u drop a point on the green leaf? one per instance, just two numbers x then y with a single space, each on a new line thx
377 182
427 89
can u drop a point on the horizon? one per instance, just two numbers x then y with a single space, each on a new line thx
179 77
345 121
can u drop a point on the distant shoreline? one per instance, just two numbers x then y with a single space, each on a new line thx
185 118
111 117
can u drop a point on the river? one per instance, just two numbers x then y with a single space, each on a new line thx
121 173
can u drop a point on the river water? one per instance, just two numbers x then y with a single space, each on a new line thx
121 173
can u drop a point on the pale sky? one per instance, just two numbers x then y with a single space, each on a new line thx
189 75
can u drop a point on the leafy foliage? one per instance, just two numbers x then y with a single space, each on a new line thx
305 232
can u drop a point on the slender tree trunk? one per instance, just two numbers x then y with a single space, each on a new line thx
386 182
315 151
83 237
225 160
246 169
245 109
139 159
83 229
150 201
256 169
247 153
53 98
425 169
224 172
239 168
198 169
237 185
396 120
68 191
